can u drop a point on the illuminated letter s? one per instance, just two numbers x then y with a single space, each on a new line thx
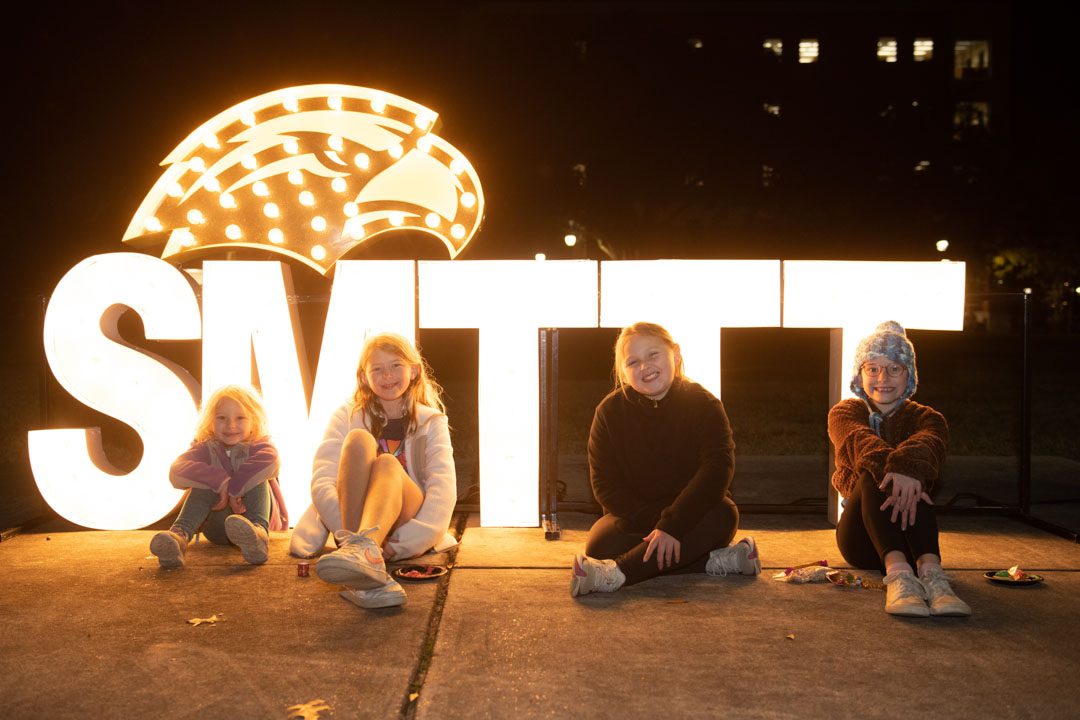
93 363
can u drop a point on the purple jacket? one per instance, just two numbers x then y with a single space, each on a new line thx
206 465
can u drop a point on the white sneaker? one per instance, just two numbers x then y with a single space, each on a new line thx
169 547
591 575
252 540
389 595
940 596
905 595
741 558
357 562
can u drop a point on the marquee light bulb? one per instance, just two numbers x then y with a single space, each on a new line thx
318 223
276 236
227 201
260 189
271 210
233 232
296 177
306 198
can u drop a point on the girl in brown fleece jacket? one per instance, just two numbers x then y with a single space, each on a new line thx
889 453
661 460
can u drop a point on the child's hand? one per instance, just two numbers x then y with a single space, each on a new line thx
237 505
906 494
664 546
223 499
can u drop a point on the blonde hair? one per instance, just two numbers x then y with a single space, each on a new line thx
649 330
422 390
246 397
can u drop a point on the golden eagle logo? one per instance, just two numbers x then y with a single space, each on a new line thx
310 172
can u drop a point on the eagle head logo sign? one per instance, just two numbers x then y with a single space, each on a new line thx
310 172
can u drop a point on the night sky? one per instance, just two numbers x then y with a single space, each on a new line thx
100 93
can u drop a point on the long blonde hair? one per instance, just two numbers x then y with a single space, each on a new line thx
246 397
422 390
649 330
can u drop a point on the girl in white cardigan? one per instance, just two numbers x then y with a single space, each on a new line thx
383 481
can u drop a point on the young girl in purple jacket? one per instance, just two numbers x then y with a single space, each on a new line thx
228 470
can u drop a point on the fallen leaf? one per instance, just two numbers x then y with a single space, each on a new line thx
675 601
413 696
309 710
209 621
790 636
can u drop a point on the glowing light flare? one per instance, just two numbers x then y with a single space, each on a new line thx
942 245
98 368
694 300
460 294
570 239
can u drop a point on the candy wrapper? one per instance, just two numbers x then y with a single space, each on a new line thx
809 573
848 579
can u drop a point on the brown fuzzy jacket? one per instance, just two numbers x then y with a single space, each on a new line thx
912 442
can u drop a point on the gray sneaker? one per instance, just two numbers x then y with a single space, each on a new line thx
252 540
589 575
741 558
169 547
357 563
389 595
940 596
905 595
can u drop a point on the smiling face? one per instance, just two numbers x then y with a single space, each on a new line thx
648 365
884 382
231 423
389 376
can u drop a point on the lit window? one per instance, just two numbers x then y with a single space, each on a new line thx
773 47
922 166
695 43
923 49
773 110
971 58
768 174
886 49
808 51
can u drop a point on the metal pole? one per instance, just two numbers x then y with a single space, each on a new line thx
1025 411
544 420
551 530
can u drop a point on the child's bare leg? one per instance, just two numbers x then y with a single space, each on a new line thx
392 498
358 453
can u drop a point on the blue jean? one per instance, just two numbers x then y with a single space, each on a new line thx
196 514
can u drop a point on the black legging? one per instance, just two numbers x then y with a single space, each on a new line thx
865 534
610 537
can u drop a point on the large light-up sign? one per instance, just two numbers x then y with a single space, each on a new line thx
507 302
310 172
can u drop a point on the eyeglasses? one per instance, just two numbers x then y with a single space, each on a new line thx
892 369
